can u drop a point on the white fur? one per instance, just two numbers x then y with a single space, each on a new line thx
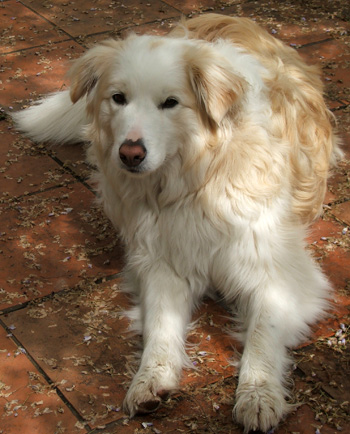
190 228
53 119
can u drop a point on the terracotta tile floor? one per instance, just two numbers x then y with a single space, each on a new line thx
65 353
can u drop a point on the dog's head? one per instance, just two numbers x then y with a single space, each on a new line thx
146 96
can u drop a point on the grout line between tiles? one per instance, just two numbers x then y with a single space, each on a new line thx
23 50
50 296
77 177
37 192
14 308
310 44
341 107
171 6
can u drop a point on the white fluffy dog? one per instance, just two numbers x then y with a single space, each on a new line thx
212 148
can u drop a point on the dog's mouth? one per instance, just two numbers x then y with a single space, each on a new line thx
136 171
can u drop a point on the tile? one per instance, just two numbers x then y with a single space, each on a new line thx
336 266
329 247
310 32
303 421
28 403
96 354
22 28
196 6
330 244
342 117
24 76
212 350
342 212
52 241
160 27
322 377
19 163
338 184
100 17
334 56
327 368
329 198
325 229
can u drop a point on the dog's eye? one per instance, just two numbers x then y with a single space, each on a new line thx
169 103
119 98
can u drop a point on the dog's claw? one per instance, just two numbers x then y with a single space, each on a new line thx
144 407
148 406
144 401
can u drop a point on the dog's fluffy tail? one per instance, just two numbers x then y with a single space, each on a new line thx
53 119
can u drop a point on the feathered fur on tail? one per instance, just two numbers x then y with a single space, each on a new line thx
53 119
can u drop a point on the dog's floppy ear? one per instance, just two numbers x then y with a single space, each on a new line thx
216 85
86 71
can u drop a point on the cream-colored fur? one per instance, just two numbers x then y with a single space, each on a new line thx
229 142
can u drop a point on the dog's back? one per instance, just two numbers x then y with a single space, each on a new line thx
299 117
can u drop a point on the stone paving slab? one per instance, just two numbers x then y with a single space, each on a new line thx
29 404
51 241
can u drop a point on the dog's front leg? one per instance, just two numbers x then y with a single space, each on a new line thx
277 292
260 395
166 305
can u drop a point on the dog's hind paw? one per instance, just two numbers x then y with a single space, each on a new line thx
259 407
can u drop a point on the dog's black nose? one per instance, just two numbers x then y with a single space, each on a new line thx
132 153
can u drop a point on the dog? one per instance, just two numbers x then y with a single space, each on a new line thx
212 147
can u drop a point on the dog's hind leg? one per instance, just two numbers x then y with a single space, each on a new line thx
166 305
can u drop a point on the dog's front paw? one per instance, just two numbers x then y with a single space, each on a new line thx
140 400
259 406
146 392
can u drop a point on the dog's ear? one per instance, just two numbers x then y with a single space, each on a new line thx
216 85
86 71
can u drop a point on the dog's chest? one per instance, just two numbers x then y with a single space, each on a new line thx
181 233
